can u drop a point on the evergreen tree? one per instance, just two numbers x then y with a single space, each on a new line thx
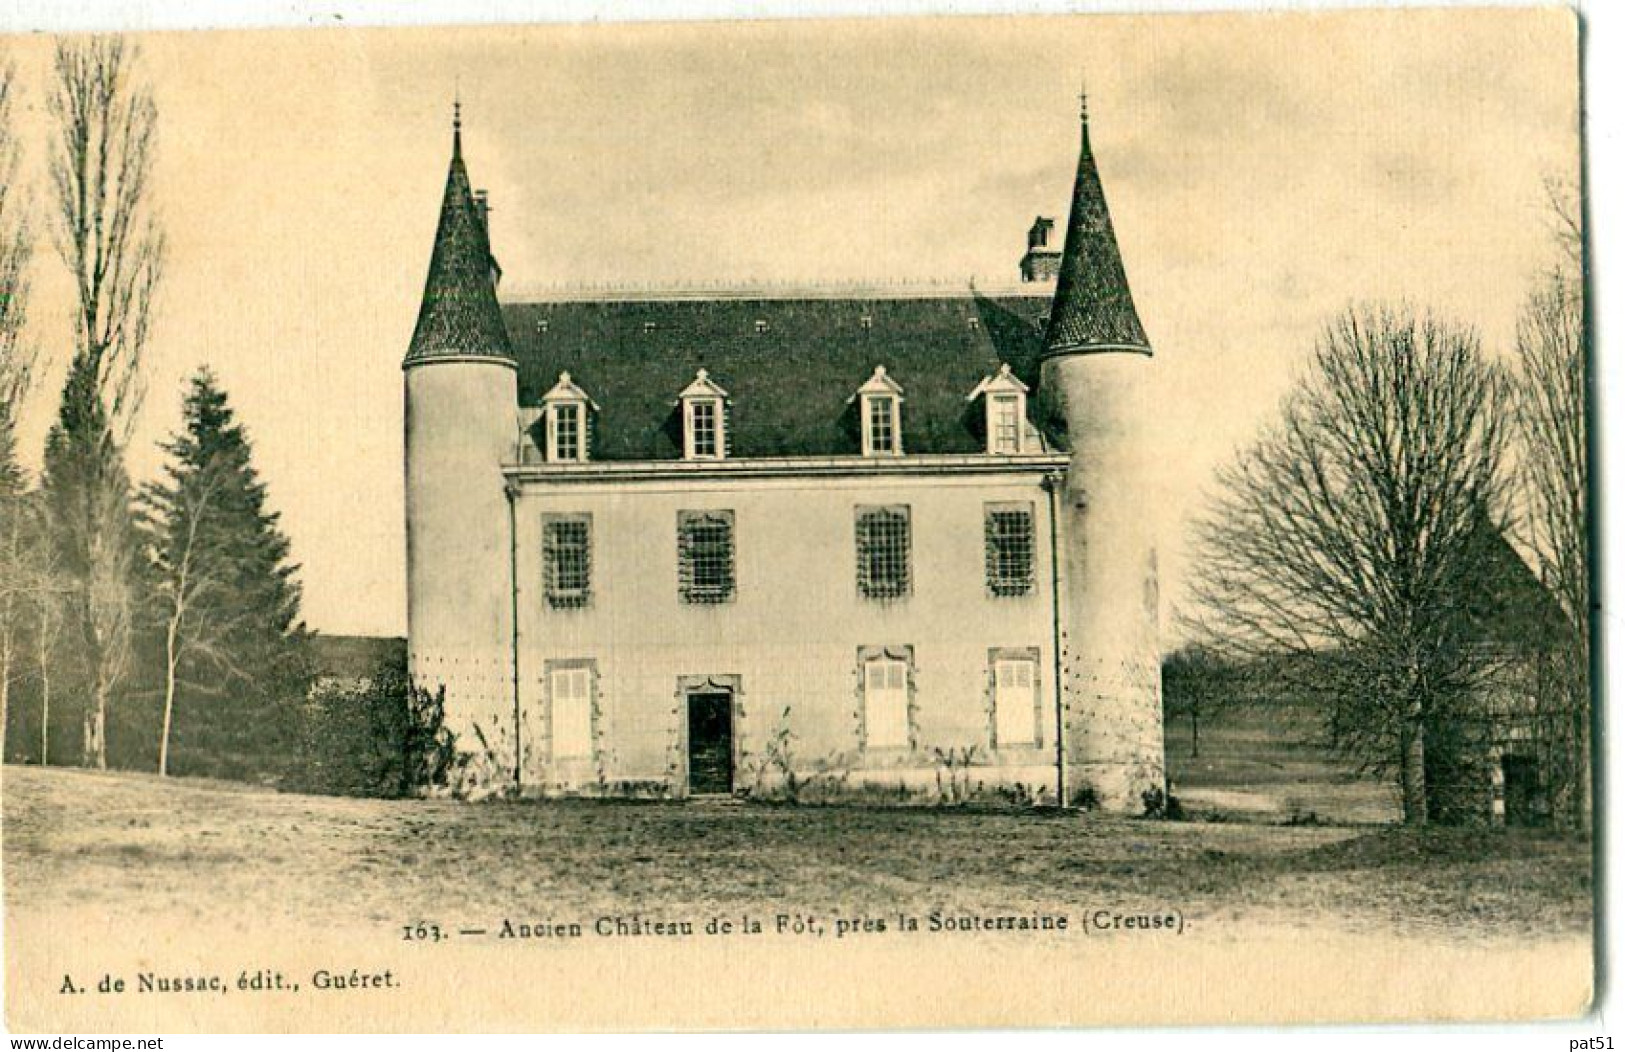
223 602
87 495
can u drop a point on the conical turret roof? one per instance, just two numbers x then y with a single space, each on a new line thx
459 316
1093 309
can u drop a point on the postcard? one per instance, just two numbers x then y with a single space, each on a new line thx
794 524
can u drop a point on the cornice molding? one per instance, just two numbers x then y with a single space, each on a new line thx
789 467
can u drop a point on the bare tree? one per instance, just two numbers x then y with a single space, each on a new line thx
185 580
17 359
47 590
1198 686
101 171
1336 544
1568 230
1551 414
101 166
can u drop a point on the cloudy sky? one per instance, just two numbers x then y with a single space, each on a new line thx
1263 172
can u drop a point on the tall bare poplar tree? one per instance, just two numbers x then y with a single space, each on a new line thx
1338 544
1551 415
101 167
48 589
16 370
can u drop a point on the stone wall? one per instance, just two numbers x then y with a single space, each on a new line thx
460 428
790 641
1112 655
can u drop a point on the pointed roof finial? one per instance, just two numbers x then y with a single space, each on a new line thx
459 315
1083 98
457 115
1093 309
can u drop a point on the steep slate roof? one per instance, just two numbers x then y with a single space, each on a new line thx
459 315
1503 599
789 385
1093 307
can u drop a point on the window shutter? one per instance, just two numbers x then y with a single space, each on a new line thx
572 713
1015 702
886 719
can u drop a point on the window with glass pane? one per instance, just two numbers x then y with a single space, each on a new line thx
885 703
1009 531
1015 702
567 554
705 556
1006 424
703 440
882 433
567 432
572 712
883 552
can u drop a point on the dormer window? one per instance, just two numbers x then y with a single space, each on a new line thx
1005 412
704 427
565 413
880 411
882 421
566 433
705 419
1004 423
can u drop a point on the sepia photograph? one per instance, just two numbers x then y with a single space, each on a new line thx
802 524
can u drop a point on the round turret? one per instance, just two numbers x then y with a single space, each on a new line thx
461 389
1096 372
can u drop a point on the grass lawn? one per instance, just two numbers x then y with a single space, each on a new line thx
1272 763
209 854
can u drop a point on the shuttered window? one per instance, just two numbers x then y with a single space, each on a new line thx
1015 702
885 703
572 687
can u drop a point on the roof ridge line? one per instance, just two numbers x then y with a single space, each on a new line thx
737 293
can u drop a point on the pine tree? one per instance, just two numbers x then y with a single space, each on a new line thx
223 602
87 494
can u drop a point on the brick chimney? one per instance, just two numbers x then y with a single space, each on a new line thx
1043 259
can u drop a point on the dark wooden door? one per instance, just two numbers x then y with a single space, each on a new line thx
710 743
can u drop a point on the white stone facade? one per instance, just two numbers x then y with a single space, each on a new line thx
789 642
784 580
